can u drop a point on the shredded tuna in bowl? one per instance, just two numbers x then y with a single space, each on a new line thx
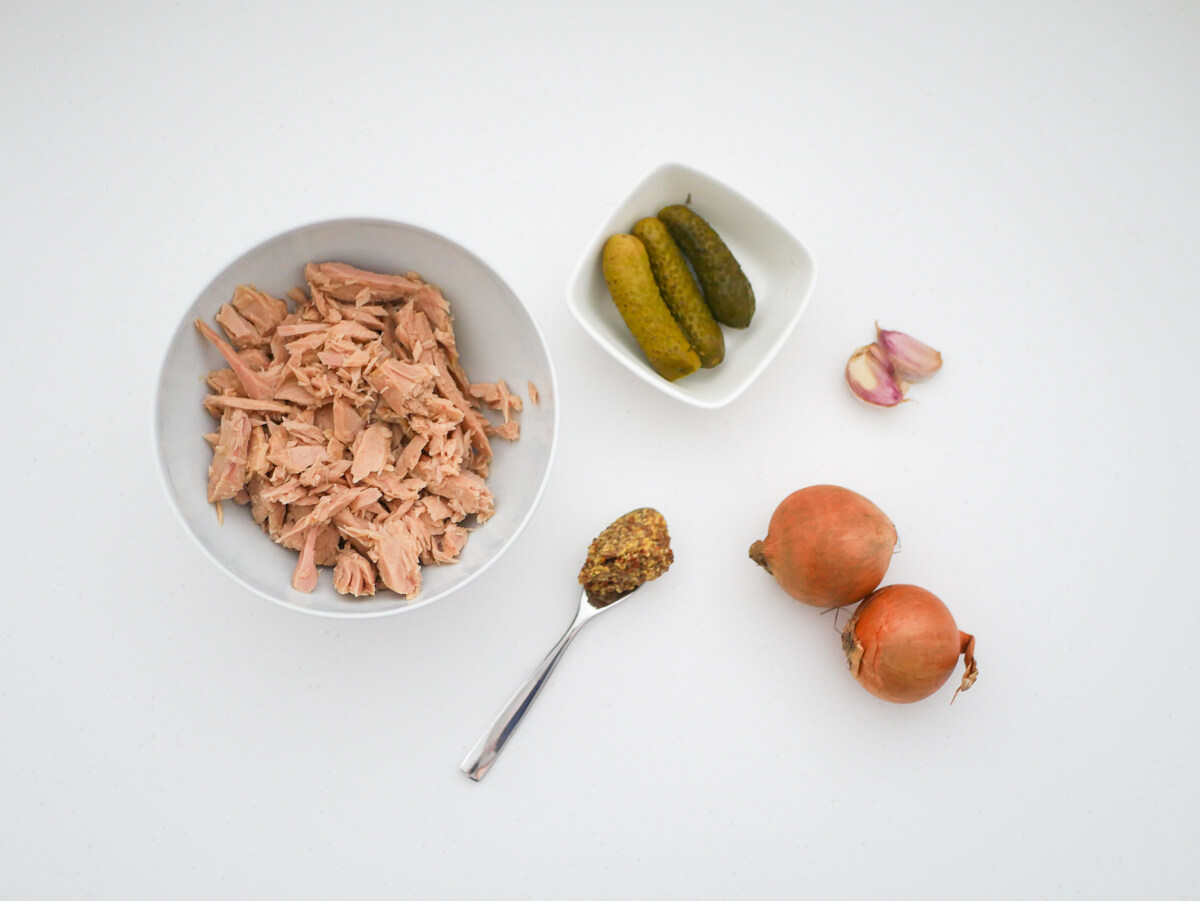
320 431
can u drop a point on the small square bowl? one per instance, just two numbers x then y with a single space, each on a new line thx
780 269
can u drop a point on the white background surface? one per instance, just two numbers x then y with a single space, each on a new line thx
1015 183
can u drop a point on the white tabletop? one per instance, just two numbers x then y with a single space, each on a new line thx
1014 183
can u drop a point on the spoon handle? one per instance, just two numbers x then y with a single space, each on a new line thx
481 757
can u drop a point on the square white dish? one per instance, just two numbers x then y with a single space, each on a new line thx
781 271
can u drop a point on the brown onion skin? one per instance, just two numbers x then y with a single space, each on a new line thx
902 644
827 546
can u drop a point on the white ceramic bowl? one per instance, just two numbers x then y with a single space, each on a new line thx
497 338
781 271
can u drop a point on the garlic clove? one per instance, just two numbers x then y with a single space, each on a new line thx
913 361
872 377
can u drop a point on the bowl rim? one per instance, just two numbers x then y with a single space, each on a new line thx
646 374
419 602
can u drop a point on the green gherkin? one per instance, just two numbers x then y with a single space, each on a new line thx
726 289
680 291
631 284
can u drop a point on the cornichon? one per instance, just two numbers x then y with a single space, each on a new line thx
726 289
681 292
631 284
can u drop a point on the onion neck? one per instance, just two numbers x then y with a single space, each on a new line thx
758 553
971 673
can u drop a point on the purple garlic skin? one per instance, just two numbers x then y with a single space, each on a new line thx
912 361
872 377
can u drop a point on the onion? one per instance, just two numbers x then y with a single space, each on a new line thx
902 645
826 546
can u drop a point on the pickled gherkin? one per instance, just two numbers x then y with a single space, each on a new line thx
631 284
726 289
680 291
